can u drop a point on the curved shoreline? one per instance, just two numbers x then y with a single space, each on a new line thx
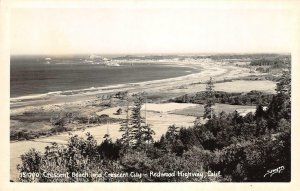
30 97
207 68
187 70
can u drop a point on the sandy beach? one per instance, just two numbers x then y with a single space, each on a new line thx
218 70
160 115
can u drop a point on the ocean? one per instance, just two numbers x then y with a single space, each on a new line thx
31 75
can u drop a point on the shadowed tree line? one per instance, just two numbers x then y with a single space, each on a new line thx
251 98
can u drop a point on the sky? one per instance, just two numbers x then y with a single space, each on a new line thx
147 30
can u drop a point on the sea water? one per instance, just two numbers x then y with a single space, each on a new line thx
30 75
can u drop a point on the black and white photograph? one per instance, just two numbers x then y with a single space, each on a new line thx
151 92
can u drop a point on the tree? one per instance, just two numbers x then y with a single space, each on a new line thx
119 111
142 132
259 113
137 120
173 143
136 132
172 133
284 84
127 136
121 95
31 163
147 134
284 94
210 99
109 150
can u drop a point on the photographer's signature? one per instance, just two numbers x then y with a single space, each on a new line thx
274 171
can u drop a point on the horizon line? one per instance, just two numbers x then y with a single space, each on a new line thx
165 53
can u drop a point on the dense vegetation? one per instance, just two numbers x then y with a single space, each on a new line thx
241 148
277 62
250 98
60 124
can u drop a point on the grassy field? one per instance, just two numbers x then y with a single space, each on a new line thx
198 110
236 86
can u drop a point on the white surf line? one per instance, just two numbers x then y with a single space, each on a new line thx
94 89
205 72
